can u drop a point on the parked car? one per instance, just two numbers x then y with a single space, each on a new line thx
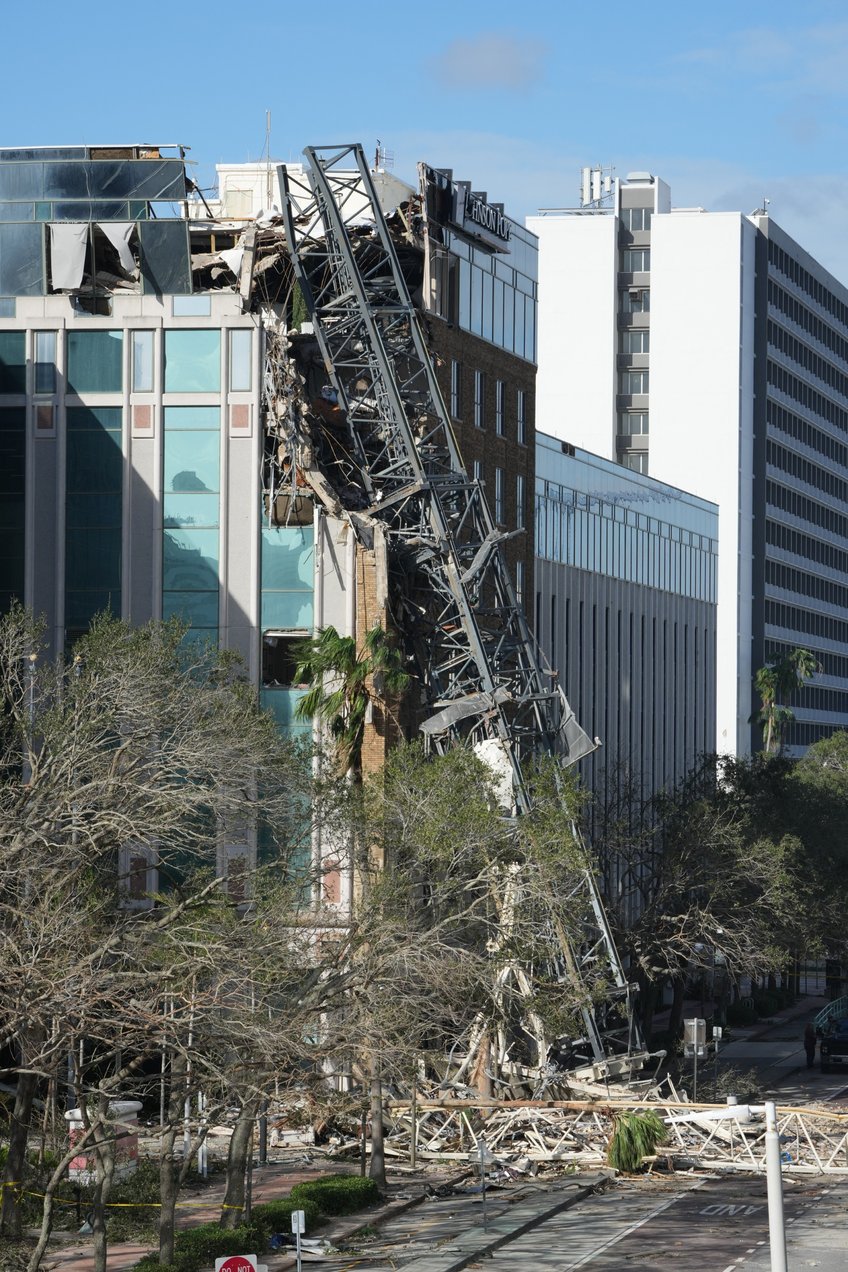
834 1045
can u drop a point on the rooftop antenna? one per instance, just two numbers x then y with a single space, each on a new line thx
383 158
269 192
596 186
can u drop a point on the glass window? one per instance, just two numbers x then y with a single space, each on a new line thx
192 462
93 523
634 382
500 400
636 260
191 306
456 389
637 461
45 362
519 582
7 307
191 470
636 218
521 417
95 361
12 362
500 489
241 344
476 301
13 504
519 501
636 340
634 423
192 361
477 469
165 261
142 361
636 301
479 399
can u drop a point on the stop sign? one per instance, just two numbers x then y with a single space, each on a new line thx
236 1263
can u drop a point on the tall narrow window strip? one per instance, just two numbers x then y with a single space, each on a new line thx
45 362
500 398
192 443
519 501
241 369
142 361
500 481
479 399
521 418
456 389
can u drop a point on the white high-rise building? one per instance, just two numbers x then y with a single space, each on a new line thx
711 351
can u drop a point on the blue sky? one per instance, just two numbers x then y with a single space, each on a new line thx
728 102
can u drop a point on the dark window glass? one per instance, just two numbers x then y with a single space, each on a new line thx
165 265
93 527
95 361
12 362
22 259
12 505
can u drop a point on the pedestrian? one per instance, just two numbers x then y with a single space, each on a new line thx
810 1045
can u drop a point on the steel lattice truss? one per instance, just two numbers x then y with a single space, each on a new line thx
480 668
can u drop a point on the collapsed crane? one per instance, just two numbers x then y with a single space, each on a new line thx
480 669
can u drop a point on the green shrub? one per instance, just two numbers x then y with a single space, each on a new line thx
338 1194
275 1216
636 1135
196 1248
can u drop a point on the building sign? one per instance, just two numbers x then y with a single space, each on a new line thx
452 203
483 216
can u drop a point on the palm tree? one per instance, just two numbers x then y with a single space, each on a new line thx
776 683
345 682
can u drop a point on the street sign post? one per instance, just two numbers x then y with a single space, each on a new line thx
695 1045
298 1222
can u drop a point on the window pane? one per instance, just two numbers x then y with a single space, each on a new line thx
165 266
22 259
287 558
185 417
192 361
192 306
45 361
192 462
95 361
200 609
142 361
240 360
285 610
12 362
190 560
194 509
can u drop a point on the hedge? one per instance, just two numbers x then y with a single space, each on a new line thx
275 1216
337 1194
199 1247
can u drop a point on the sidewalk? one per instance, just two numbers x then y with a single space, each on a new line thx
269 1182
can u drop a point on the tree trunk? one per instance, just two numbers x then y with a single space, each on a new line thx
648 994
168 1170
13 1175
675 1017
241 1146
49 1193
104 1157
377 1169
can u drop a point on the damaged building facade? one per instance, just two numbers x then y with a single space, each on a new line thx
154 350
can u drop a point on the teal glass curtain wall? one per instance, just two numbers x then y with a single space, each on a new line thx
12 504
286 607
93 515
191 518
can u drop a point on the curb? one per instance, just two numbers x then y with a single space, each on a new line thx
520 1220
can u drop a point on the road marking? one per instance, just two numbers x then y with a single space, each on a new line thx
587 1258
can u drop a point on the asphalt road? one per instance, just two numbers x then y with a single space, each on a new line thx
711 1227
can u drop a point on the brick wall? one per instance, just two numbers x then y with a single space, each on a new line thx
483 444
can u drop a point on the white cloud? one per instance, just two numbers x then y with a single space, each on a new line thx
493 60
806 59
